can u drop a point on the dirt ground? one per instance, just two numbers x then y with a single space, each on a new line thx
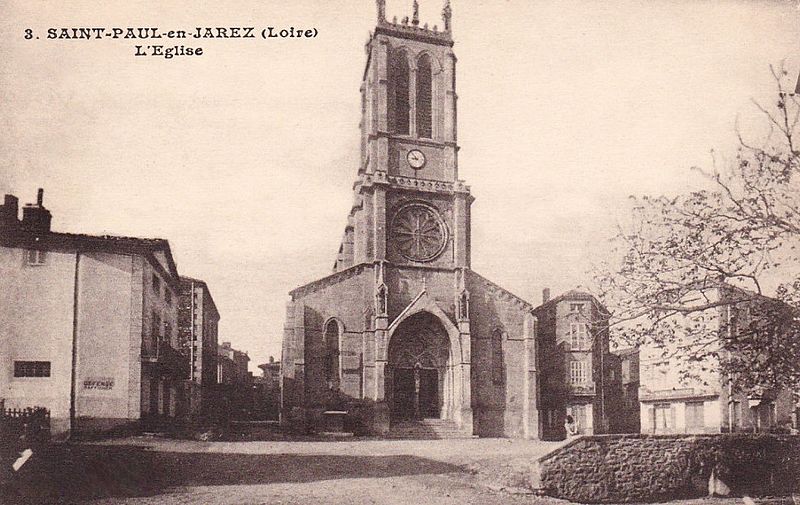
159 471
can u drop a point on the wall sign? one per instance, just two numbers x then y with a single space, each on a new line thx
99 383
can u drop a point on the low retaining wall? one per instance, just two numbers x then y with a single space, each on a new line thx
627 468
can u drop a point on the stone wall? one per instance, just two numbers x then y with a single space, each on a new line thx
636 468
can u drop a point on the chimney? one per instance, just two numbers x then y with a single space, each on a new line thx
36 217
545 295
9 213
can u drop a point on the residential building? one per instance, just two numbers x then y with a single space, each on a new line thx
88 325
235 382
579 376
680 395
232 365
198 327
626 412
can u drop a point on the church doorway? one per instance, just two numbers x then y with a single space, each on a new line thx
418 369
416 393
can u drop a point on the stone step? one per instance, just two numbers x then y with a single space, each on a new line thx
429 429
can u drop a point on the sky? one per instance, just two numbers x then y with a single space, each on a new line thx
243 158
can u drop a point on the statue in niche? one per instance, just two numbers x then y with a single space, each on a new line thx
381 299
463 305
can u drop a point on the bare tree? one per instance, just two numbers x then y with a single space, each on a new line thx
703 256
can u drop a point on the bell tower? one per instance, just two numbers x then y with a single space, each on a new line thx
410 208
395 325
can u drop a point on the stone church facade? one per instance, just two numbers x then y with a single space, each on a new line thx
403 328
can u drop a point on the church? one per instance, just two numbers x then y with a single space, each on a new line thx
403 330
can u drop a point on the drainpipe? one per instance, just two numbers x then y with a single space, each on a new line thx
730 381
191 333
74 374
603 419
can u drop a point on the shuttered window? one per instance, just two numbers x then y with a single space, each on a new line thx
664 418
579 336
695 417
31 369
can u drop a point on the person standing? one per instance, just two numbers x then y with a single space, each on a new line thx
570 426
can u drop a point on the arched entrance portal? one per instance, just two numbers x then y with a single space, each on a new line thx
419 378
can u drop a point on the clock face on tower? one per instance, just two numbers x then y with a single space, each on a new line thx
416 159
418 232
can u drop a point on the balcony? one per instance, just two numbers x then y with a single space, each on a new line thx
586 389
675 394
164 359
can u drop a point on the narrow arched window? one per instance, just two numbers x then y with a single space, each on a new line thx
399 106
497 362
424 96
331 365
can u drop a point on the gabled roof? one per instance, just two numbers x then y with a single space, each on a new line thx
187 281
572 294
74 242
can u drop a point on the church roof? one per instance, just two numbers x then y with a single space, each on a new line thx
502 290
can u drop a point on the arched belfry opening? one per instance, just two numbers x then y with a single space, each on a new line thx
419 377
399 86
424 97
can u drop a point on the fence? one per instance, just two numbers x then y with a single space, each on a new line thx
31 424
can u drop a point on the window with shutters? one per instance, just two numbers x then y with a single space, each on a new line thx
35 257
579 415
31 369
576 307
664 421
579 336
736 409
695 417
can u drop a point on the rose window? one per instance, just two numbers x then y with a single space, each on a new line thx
418 232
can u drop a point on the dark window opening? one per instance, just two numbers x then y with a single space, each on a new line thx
31 369
331 365
424 97
498 372
36 257
399 107
155 326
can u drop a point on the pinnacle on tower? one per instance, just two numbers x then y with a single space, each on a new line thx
447 14
415 16
381 10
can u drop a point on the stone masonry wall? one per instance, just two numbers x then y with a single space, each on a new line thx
628 468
